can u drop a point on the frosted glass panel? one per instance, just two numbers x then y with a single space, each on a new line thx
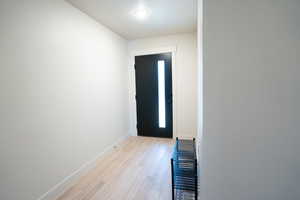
161 94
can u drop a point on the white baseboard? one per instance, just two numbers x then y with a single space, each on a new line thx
67 182
186 136
132 132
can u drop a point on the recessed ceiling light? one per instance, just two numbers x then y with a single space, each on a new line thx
141 13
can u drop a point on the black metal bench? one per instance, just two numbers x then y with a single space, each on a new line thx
184 170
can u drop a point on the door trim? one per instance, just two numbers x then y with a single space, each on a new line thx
132 102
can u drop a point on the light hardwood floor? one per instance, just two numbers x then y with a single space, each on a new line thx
138 169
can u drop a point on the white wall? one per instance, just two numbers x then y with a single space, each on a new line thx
251 100
184 79
64 95
200 83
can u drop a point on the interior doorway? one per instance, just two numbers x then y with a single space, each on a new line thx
154 96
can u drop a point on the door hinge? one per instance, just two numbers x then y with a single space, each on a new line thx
134 66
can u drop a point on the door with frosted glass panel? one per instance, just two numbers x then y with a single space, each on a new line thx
153 75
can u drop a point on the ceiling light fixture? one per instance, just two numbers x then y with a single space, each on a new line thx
141 13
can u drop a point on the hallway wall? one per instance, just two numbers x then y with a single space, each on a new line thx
64 94
251 100
184 79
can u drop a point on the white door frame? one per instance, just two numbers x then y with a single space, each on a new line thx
132 91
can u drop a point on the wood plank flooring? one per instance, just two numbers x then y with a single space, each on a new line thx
138 169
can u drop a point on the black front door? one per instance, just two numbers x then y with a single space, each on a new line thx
153 75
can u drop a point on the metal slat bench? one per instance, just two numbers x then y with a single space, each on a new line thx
184 170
